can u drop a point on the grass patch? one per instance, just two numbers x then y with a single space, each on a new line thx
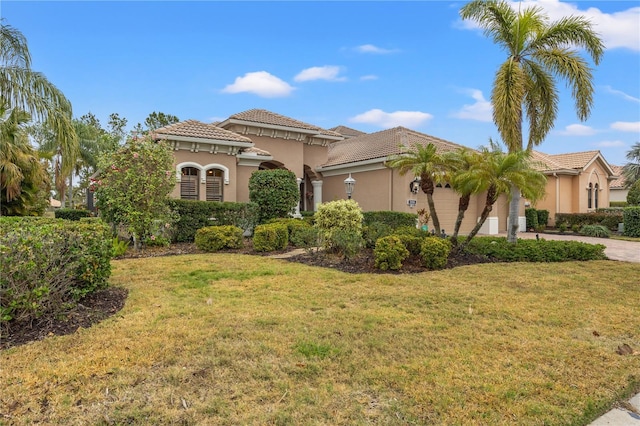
228 339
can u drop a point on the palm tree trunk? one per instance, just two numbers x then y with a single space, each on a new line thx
514 210
463 205
492 197
428 188
71 190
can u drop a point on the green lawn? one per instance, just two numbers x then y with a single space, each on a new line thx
239 339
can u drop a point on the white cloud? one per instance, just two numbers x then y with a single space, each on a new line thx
618 29
388 120
578 130
327 72
626 126
369 77
620 93
260 83
481 110
370 48
609 144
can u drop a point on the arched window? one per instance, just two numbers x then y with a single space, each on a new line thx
595 196
189 183
215 179
590 196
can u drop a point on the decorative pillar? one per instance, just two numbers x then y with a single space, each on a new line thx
297 214
317 194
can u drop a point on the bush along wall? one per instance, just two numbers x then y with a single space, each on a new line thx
71 214
48 265
632 221
609 218
389 218
193 215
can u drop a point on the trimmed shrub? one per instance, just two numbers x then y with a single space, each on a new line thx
275 192
595 231
49 264
390 218
389 253
609 218
435 252
375 230
334 216
215 238
193 215
411 242
543 217
347 243
71 214
618 204
632 221
270 237
532 218
535 250
305 237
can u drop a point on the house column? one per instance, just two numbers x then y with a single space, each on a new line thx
297 214
317 194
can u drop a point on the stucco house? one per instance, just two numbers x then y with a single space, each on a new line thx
618 190
215 161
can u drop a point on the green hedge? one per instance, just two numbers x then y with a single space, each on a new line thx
532 218
214 238
535 250
193 215
49 264
632 221
271 237
618 204
609 218
71 214
392 219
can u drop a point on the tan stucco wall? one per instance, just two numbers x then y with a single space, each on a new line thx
288 152
242 190
618 194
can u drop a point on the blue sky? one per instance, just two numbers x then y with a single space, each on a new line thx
366 65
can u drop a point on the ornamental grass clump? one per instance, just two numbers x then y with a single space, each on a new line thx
215 238
389 253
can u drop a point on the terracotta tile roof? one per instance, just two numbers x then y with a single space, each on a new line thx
543 162
575 160
198 129
381 145
267 117
347 131
620 182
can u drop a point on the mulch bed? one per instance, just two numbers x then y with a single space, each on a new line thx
105 303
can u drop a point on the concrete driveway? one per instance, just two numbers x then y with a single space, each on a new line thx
627 251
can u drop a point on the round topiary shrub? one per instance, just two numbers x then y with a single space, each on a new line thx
275 192
389 253
335 216
214 238
435 252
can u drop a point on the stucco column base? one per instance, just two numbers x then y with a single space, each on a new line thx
317 194
490 226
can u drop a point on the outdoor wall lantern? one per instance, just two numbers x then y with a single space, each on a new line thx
414 185
349 183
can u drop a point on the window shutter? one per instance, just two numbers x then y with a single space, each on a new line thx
214 188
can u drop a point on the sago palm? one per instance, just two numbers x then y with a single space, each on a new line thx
538 53
422 161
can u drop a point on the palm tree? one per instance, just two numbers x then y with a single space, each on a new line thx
24 89
498 173
23 179
538 52
422 161
457 163
631 170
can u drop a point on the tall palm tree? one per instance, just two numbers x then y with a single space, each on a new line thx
498 173
538 53
422 161
631 170
24 89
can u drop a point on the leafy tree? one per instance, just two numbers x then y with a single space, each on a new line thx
498 173
24 183
538 53
633 197
24 89
275 192
631 170
425 162
133 186
156 120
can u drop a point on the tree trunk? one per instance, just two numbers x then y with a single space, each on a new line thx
463 205
71 190
492 197
514 210
428 188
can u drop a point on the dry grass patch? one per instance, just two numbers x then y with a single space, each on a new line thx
234 339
